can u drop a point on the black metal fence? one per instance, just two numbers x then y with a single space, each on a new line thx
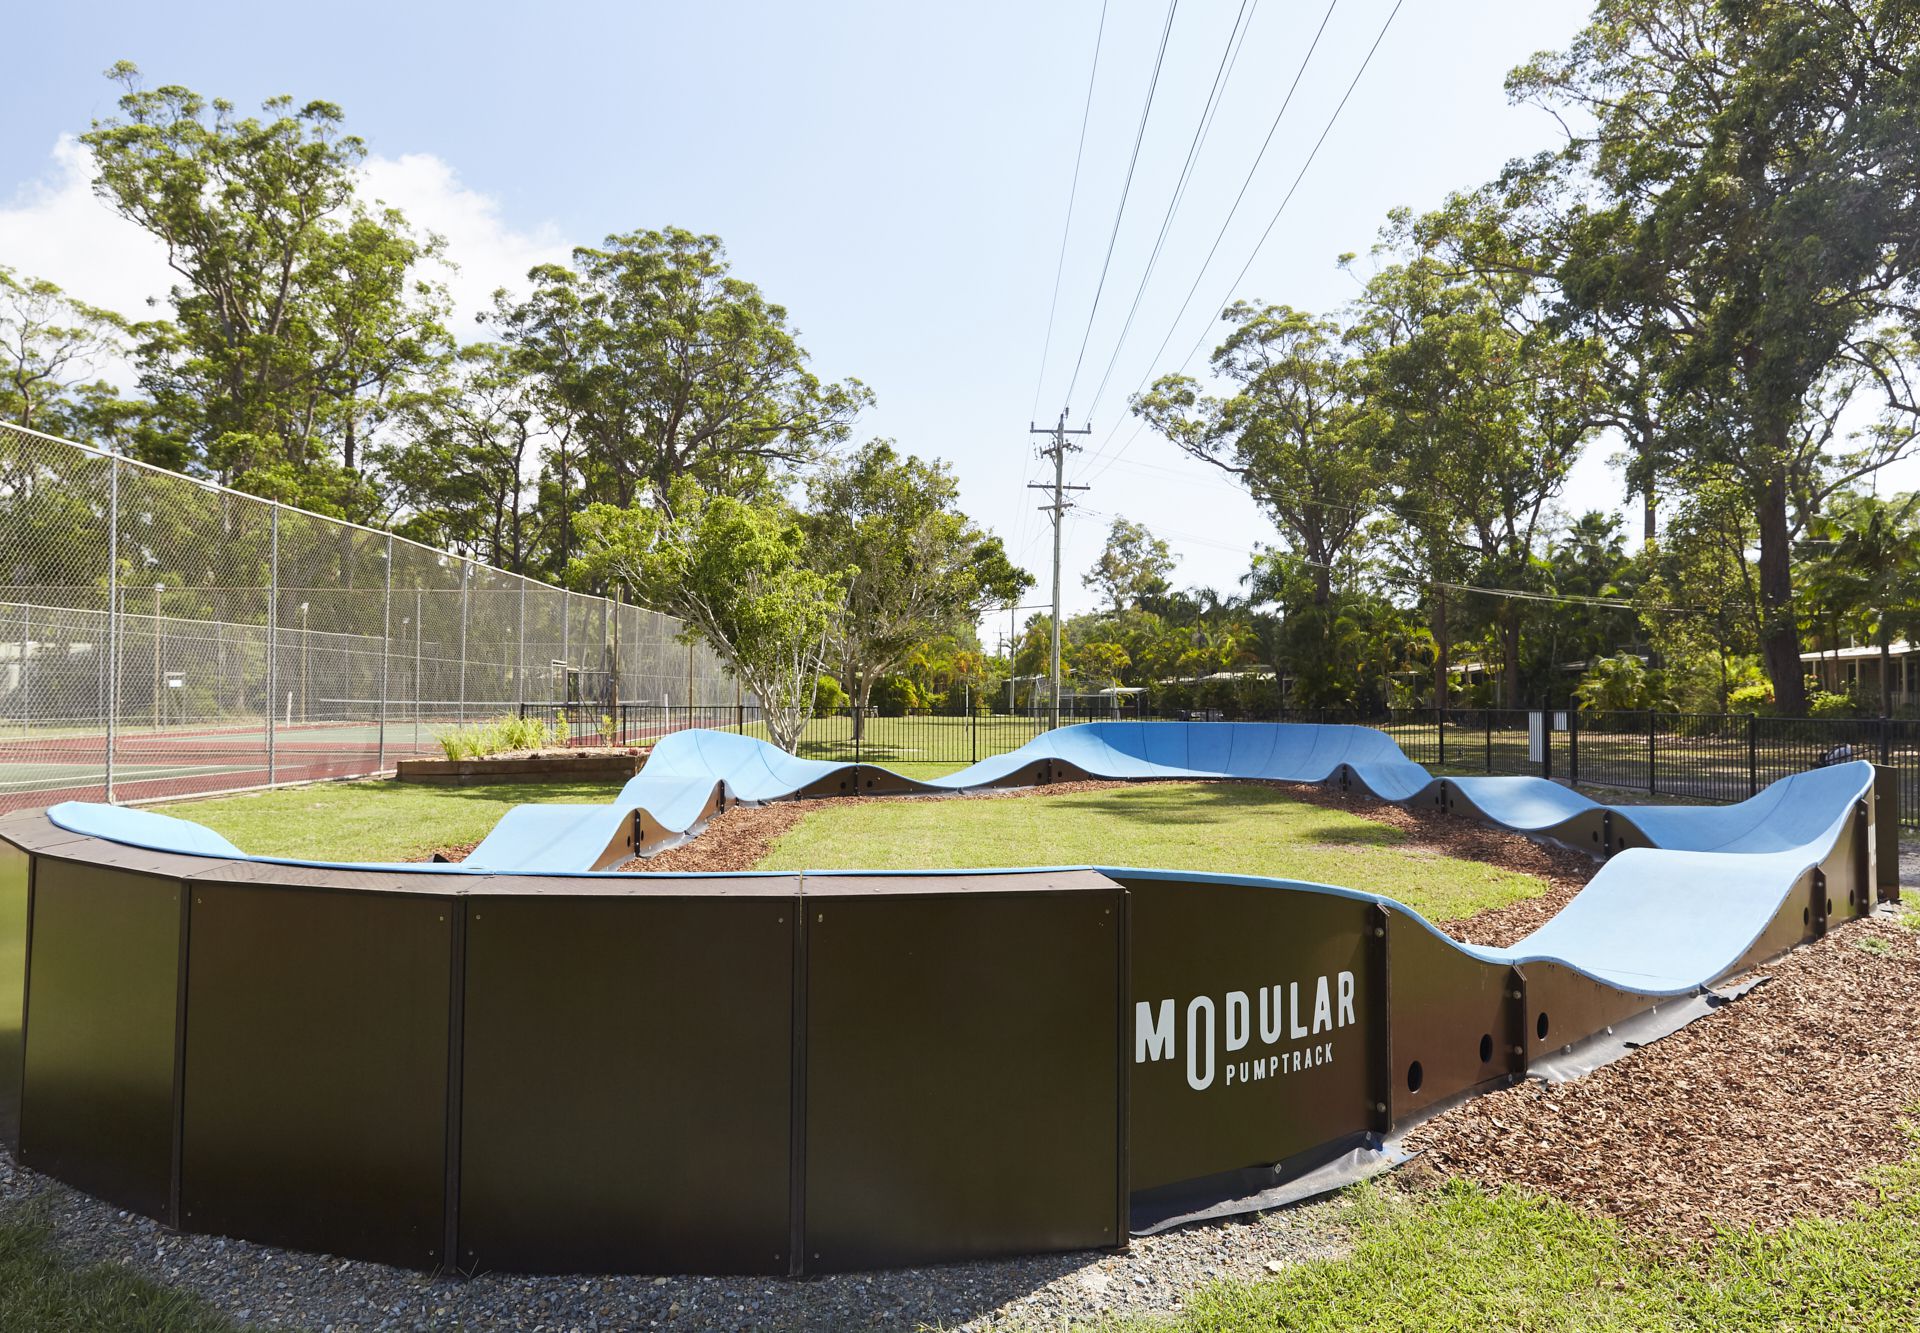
1708 757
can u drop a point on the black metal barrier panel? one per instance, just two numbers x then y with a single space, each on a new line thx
734 1073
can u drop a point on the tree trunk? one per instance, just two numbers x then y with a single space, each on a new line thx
862 697
1510 649
1780 635
1649 507
1442 650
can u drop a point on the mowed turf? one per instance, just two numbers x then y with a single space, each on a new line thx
371 820
1231 828
1463 1258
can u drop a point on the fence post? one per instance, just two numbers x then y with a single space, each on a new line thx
386 650
1573 744
113 615
466 580
1753 754
520 650
1488 713
1653 726
273 632
1885 724
1440 729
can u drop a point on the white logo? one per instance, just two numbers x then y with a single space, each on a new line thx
1283 1020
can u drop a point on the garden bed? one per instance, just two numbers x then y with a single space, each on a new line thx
557 765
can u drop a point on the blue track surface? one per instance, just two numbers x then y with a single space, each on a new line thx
1666 918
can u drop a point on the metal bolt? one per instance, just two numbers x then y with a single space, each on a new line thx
1380 1107
1379 932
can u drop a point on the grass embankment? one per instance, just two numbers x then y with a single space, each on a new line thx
372 820
41 1291
1228 828
1461 1258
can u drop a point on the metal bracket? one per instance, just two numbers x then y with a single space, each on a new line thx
1517 1045
1380 1005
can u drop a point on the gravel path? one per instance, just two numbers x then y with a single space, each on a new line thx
280 1289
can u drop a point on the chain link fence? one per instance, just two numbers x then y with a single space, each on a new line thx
162 636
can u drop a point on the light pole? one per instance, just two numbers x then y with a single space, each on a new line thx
158 588
303 663
404 622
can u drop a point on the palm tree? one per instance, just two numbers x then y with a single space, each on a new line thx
1879 547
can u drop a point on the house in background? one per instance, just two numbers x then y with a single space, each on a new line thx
1858 669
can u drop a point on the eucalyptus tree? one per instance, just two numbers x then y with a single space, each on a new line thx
737 571
662 364
53 350
1288 431
1477 410
919 568
1752 172
1133 566
300 322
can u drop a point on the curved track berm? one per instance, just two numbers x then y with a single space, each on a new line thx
524 1063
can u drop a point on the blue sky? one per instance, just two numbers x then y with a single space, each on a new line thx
896 175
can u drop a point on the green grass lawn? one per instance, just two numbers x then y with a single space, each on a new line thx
1462 1258
372 820
41 1291
1223 827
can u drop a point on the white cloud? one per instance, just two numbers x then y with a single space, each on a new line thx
486 253
55 228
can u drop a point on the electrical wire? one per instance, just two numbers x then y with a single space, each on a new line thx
1234 211
1229 57
1126 189
1073 193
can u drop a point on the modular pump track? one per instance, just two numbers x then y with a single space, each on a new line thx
528 1062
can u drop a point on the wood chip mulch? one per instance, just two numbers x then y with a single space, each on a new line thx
1565 871
1779 1105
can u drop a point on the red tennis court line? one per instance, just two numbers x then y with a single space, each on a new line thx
197 784
171 744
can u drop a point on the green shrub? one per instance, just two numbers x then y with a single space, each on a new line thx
1823 703
496 736
828 694
1753 697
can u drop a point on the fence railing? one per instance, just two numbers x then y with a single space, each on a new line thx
1684 756
163 636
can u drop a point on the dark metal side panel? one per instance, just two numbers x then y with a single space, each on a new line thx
316 1070
97 1104
1453 1016
15 866
962 1076
627 1084
1231 1065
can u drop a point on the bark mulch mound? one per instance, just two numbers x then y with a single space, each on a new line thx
1565 871
1780 1105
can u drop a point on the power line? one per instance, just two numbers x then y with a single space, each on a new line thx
1229 57
1126 188
1300 175
1073 192
1234 211
1286 199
